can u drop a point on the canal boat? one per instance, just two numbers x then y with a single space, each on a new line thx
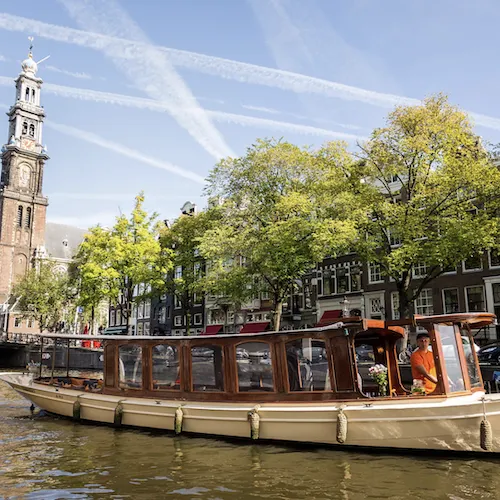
320 385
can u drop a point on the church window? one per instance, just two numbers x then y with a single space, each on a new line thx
27 94
27 221
25 128
33 95
32 130
20 216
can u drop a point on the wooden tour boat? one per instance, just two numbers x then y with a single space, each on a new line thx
305 386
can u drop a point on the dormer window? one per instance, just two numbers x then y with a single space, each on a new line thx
32 130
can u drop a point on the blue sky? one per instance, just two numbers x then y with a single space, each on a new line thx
148 95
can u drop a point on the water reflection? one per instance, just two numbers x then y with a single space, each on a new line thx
46 457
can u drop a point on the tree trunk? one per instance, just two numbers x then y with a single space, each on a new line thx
405 312
278 306
92 319
188 321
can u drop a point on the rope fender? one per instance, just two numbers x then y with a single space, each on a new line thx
118 414
341 426
485 432
77 408
178 418
254 419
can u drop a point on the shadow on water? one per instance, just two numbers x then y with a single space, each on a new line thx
47 458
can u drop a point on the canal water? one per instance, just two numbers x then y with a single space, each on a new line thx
45 457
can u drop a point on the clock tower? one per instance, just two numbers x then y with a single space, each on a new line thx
22 204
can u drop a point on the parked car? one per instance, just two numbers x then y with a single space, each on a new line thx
490 354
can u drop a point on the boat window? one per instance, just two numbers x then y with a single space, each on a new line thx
370 351
166 367
130 367
451 358
469 347
207 370
307 365
255 369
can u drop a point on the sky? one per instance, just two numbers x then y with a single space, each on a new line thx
149 95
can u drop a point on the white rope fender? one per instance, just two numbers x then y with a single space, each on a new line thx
485 431
76 408
341 426
179 417
118 414
254 419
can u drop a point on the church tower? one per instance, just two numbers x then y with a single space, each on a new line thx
22 204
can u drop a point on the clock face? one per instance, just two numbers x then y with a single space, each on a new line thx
28 144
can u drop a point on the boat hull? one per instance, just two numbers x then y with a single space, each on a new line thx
445 424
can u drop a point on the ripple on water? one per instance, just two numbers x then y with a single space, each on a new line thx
49 458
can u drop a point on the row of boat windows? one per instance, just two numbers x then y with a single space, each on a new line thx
307 367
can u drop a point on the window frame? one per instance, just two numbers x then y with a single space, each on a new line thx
178 347
272 351
327 342
225 382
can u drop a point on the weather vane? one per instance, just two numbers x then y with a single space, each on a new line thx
30 38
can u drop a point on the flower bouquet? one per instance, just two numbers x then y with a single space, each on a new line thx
379 374
418 387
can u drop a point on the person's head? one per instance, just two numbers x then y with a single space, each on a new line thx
423 340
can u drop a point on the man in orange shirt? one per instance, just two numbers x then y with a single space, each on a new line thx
422 363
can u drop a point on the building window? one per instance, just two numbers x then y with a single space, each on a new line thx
494 257
32 130
423 303
112 316
419 270
178 273
168 312
25 128
162 315
496 298
140 328
118 317
147 309
140 310
177 301
475 298
374 273
473 263
20 216
33 95
395 305
178 321
27 94
450 300
197 319
18 322
27 221
343 279
146 328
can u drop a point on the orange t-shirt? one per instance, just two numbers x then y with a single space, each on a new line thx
427 360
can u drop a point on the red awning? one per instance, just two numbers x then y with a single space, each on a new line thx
330 317
255 327
212 329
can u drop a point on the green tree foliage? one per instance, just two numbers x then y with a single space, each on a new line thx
43 295
181 239
283 210
113 262
433 194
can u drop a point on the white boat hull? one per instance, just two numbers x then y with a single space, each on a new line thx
451 424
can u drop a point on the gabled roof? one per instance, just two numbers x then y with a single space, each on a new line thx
62 241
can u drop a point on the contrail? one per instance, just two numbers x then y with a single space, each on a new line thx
218 66
120 149
219 116
124 150
149 69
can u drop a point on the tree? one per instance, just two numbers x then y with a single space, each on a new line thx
90 274
182 240
113 263
433 193
43 295
283 210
